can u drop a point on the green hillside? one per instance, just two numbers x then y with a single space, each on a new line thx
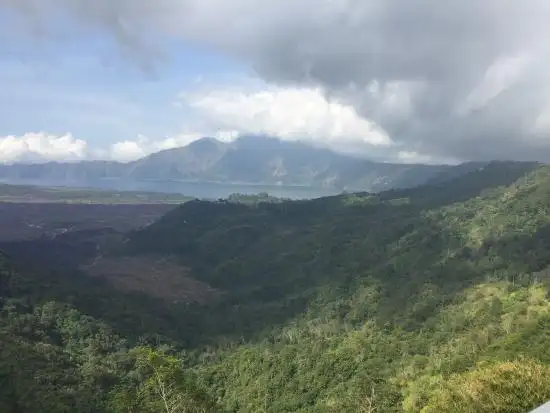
432 299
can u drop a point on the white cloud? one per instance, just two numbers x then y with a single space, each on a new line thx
411 157
41 146
483 64
130 150
501 75
541 125
292 113
248 107
127 151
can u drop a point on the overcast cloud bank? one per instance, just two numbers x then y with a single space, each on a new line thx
429 79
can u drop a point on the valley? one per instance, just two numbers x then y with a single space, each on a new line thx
398 301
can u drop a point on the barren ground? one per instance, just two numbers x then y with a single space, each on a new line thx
75 238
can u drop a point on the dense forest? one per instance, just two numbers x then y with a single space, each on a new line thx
430 299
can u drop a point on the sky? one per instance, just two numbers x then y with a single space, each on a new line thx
396 80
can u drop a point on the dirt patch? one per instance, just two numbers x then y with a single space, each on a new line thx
159 277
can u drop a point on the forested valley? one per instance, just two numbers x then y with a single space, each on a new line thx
430 299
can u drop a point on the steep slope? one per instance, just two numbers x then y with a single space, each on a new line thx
249 159
360 299
226 240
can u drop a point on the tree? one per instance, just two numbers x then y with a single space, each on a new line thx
506 387
158 383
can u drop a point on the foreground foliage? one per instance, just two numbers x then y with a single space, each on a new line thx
433 299
503 387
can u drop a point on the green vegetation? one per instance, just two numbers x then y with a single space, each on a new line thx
502 387
432 299
28 193
253 198
55 359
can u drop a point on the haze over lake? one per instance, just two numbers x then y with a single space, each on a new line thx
202 190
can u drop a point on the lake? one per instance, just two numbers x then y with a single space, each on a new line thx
202 190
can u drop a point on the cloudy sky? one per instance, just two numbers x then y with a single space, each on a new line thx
399 80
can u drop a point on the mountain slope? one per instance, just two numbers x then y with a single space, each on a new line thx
268 251
55 359
251 160
189 162
412 300
360 297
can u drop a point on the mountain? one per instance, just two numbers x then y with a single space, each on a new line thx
428 299
191 162
60 172
249 159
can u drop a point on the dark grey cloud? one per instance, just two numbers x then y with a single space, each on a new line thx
465 79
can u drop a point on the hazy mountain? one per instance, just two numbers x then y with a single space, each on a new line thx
193 161
251 159
63 172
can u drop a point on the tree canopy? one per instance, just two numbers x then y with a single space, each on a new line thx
421 300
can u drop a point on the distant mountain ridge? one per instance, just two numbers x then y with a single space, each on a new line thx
247 160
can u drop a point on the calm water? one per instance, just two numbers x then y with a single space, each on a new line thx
203 190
